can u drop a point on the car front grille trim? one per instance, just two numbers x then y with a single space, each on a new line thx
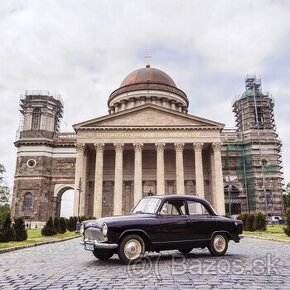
94 234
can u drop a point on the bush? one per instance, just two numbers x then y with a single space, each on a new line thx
62 225
287 223
48 229
260 222
20 230
243 218
7 232
71 223
56 224
250 223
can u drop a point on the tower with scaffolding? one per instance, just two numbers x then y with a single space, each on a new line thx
252 166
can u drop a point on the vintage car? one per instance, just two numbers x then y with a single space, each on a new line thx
159 223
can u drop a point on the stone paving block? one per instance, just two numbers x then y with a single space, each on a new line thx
41 268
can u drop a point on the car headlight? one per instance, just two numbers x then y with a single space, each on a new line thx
104 229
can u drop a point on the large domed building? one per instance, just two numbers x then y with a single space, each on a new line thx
148 143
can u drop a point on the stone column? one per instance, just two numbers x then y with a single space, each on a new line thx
179 168
198 169
219 199
98 190
160 168
80 174
138 172
118 187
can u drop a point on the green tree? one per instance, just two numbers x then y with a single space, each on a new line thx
48 229
260 222
62 225
20 230
7 232
287 223
286 196
250 223
56 224
4 189
4 209
71 223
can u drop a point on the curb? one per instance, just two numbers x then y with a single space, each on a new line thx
267 239
12 249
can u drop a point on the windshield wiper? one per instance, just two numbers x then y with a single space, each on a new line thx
138 211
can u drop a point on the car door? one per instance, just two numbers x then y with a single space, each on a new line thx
201 221
174 222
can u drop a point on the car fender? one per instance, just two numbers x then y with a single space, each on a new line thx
221 232
139 232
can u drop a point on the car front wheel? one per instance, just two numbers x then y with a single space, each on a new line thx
103 254
131 248
218 245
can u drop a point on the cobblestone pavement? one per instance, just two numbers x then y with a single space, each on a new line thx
251 264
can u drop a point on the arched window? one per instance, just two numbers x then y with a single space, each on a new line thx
36 115
27 203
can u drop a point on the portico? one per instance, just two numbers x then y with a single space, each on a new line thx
148 142
171 161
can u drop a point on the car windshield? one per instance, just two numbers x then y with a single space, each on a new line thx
147 205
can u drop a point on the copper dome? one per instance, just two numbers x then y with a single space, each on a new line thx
148 75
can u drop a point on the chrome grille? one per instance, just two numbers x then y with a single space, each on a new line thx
94 234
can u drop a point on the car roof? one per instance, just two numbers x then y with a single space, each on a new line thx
185 197
177 196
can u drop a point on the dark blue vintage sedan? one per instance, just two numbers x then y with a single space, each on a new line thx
159 223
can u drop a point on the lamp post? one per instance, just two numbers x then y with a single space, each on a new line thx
229 194
79 189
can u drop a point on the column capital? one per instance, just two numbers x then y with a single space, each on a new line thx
160 146
119 147
99 147
179 146
216 146
80 147
198 146
138 146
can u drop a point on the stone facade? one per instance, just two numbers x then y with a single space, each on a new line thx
147 143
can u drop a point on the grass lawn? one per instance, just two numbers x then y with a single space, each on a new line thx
272 232
35 237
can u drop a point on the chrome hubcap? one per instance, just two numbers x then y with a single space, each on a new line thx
219 243
132 249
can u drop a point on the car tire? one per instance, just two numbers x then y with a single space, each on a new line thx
218 244
102 254
185 250
131 248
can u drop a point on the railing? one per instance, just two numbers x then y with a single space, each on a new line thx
46 93
68 135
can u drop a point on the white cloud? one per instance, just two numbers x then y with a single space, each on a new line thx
83 49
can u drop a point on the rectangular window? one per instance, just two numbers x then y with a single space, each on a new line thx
174 207
196 208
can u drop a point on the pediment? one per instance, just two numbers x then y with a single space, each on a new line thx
148 115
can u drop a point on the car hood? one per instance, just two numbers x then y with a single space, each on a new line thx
117 219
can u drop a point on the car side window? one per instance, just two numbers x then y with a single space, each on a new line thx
173 208
196 208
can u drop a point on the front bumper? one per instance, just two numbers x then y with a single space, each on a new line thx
90 245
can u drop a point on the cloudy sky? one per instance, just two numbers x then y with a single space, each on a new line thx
84 49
